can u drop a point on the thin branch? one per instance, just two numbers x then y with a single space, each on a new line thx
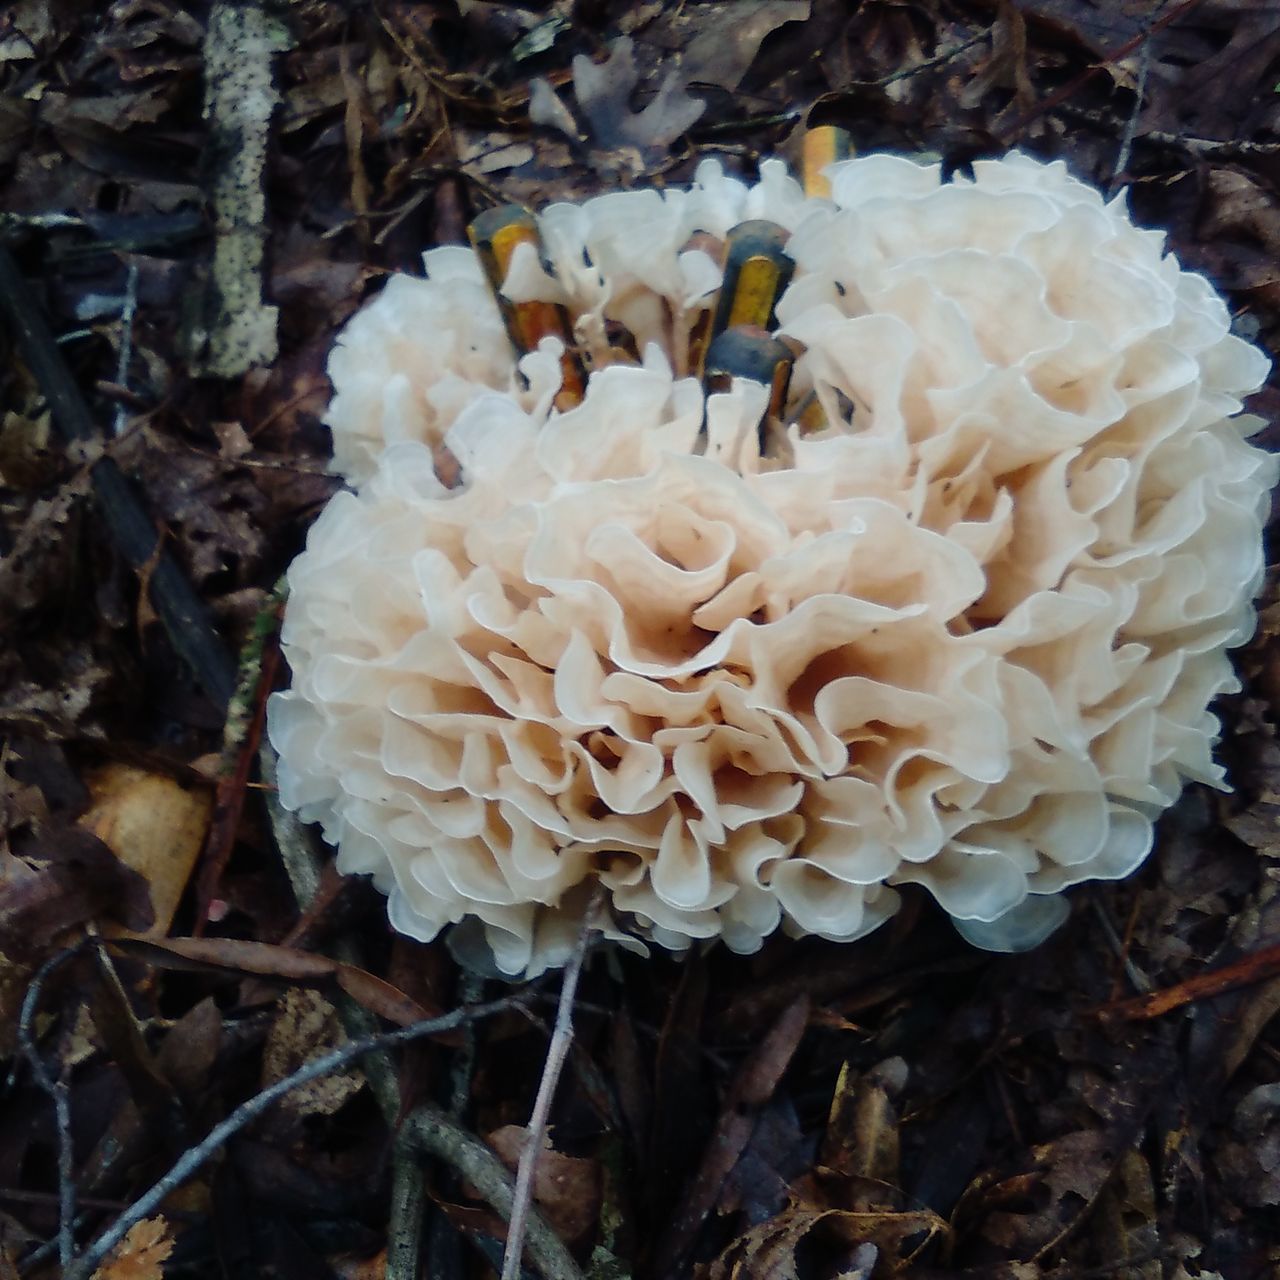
1201 148
1141 983
557 1052
937 60
59 1093
405 1216
1009 135
43 1253
18 1196
258 664
1258 966
127 314
1219 149
745 125
1131 124
462 1068
292 836
250 1110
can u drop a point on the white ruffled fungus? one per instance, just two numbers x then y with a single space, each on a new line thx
965 637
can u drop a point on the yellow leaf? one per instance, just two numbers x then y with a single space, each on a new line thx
152 824
139 1255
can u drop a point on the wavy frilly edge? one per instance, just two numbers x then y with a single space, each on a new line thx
967 637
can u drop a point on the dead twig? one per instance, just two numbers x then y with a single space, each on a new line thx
1120 946
241 733
1257 967
292 837
1199 148
1010 134
248 1111
557 1052
58 1091
1131 124
1214 148
940 58
127 313
17 1196
407 1208
42 1253
504 106
405 1217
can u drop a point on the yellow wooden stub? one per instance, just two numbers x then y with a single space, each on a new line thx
700 332
757 290
748 351
495 235
809 415
822 146
757 269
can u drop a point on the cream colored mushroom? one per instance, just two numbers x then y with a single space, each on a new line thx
966 637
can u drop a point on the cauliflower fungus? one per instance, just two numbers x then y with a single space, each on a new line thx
965 635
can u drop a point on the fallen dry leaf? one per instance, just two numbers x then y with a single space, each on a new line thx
14 978
306 1026
1250 1159
288 964
1237 205
29 456
1030 1212
64 876
355 1267
108 163
189 1051
768 1251
1124 1223
566 1188
861 1140
728 36
154 825
41 563
603 91
140 1254
211 507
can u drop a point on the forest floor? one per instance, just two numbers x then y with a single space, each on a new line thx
1108 1105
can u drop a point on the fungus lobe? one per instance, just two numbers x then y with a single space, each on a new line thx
956 620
